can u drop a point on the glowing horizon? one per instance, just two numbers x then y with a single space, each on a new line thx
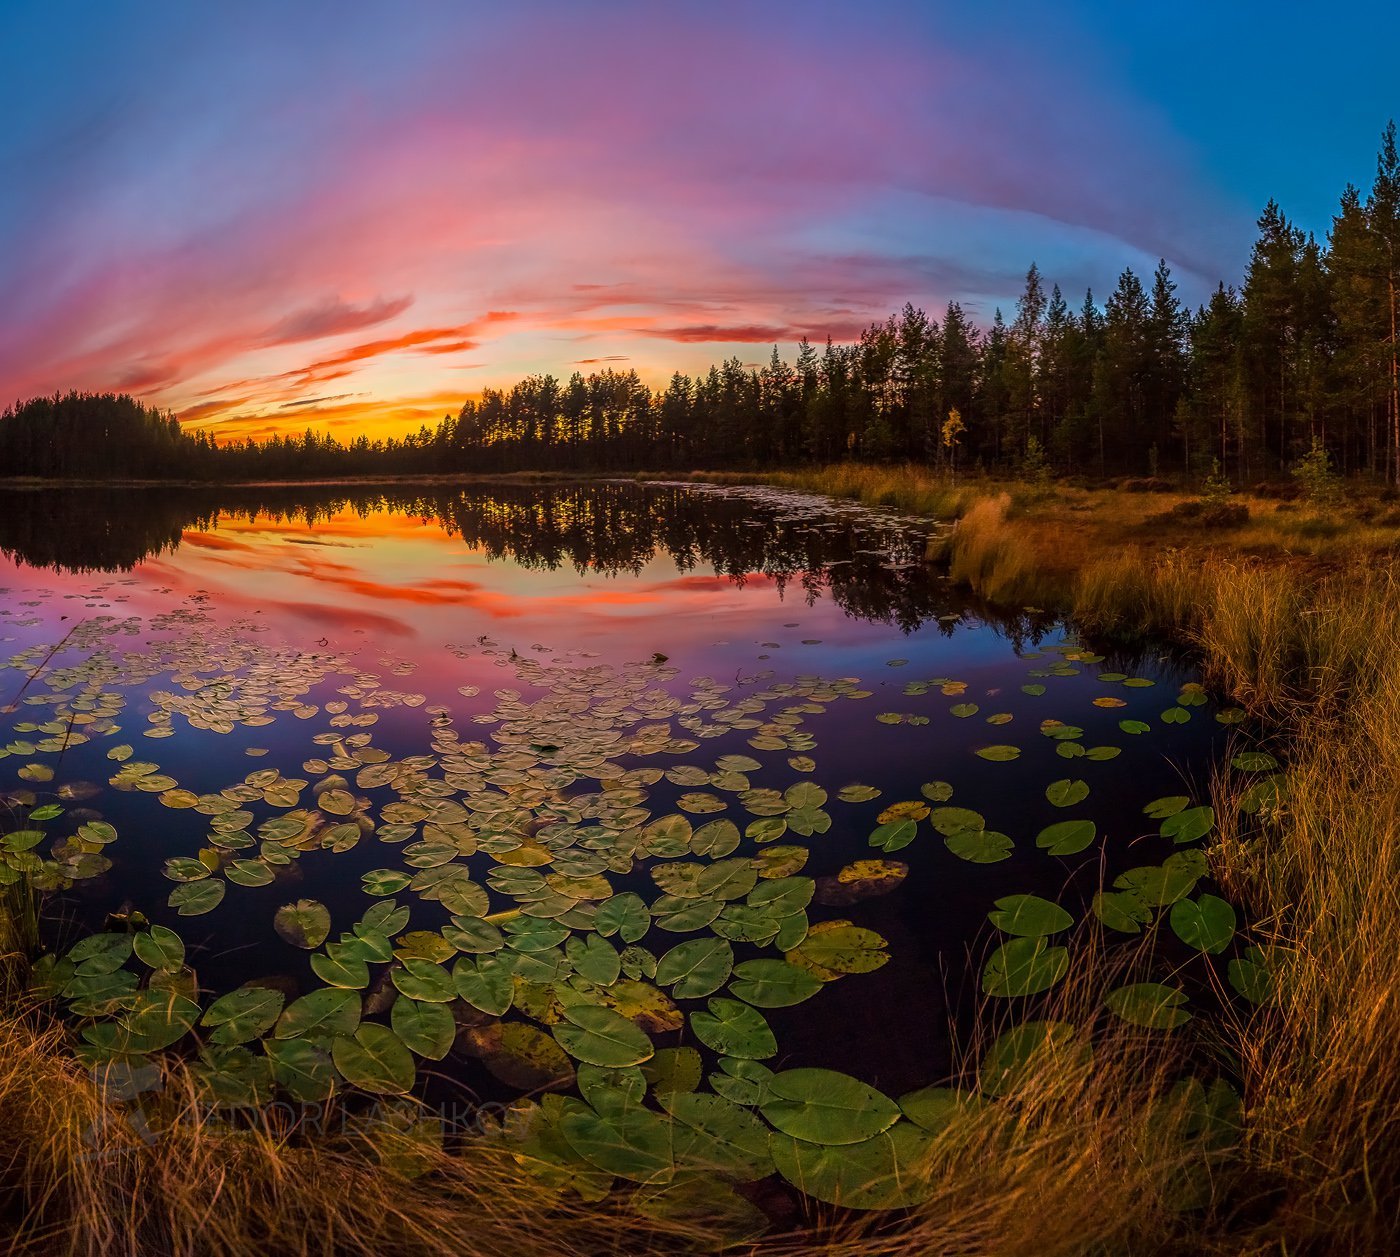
263 240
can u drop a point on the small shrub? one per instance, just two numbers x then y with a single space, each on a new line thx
1320 484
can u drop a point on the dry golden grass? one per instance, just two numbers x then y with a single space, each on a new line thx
77 1177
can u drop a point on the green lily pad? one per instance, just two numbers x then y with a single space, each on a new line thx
374 1060
160 948
1029 916
980 846
1189 826
1207 922
1149 1004
882 1172
773 983
1067 792
425 1029
320 1015
243 1015
194 899
305 923
1066 837
826 1107
601 1036
1024 966
697 967
734 1029
998 754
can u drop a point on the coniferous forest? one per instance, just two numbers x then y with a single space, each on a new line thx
1302 351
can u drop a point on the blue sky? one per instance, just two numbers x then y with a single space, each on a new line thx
356 215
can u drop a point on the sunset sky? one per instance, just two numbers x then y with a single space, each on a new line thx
355 215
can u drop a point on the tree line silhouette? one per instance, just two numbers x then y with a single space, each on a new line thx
1303 354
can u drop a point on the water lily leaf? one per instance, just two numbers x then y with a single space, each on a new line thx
782 896
193 899
375 1060
909 810
1207 923
160 948
697 967
1067 793
1135 726
101 953
427 1030
1175 716
1149 1004
521 1056
184 869
1122 910
879 1173
1252 976
727 879
157 1019
949 821
243 1015
1066 837
773 983
1164 884
1020 1052
336 802
937 1108
625 915
486 982
1254 762
1024 966
700 802
474 935
424 981
826 1107
305 923
1029 916
673 1069
894 835
302 1069
857 793
534 934
1189 826
716 1135
1159 809
338 967
734 1029
716 839
248 873
998 754
766 828
780 861
980 846
595 959
860 880
380 882
383 918
602 1036
634 1144
834 948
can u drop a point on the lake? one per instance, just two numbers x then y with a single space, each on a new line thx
483 791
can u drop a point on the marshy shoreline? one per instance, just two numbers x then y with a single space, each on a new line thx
1296 615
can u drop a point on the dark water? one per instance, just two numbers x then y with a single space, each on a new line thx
223 634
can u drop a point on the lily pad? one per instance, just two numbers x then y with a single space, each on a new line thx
305 923
826 1107
375 1060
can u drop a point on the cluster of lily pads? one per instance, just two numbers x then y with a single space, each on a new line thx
581 945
